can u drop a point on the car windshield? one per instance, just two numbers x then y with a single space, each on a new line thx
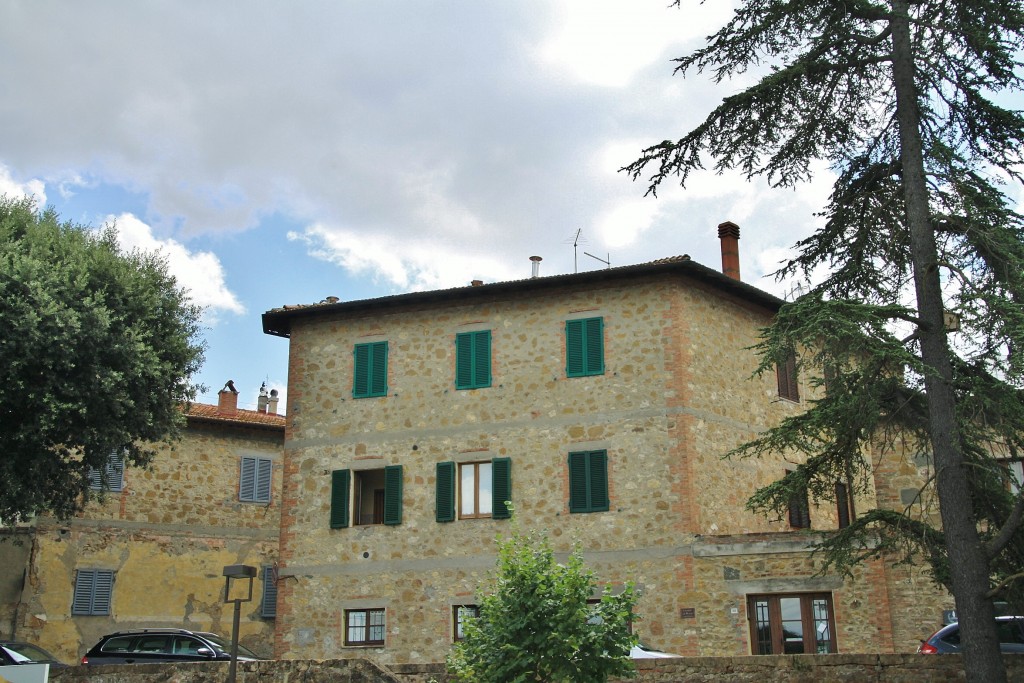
224 645
26 652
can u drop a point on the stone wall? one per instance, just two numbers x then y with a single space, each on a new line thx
167 536
675 396
782 669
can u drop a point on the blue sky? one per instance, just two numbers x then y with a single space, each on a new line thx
280 153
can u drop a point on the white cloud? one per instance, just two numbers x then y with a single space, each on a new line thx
15 189
199 272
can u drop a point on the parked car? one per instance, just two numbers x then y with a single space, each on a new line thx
18 652
162 645
947 639
644 652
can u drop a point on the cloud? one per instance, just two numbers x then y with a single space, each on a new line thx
200 273
15 189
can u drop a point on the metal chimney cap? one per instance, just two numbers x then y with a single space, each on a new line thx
536 258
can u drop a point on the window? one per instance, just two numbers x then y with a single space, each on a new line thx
364 627
584 347
792 624
93 588
473 489
254 482
787 377
111 476
799 510
1016 472
473 360
588 481
366 497
370 373
844 505
460 613
268 609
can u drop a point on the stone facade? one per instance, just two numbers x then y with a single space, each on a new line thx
674 396
166 536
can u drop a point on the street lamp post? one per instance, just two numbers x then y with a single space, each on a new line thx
236 571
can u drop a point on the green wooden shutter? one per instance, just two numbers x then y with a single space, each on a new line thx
393 494
594 346
463 361
361 371
501 487
340 484
574 348
445 505
482 358
473 360
379 370
598 476
578 483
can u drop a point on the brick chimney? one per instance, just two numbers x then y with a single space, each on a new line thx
729 234
227 399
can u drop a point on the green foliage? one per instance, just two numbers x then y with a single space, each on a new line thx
536 623
97 353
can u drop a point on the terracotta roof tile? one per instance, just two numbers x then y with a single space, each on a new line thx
202 411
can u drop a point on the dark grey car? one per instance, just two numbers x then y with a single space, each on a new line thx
162 645
14 652
947 639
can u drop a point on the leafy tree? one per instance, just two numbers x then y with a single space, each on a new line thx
907 101
537 623
96 357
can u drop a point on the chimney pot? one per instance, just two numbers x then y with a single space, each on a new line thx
729 234
536 265
477 283
272 402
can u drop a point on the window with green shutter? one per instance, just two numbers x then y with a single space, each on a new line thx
584 347
588 481
370 370
473 360
366 497
473 490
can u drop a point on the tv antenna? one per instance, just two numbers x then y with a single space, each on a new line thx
607 262
575 244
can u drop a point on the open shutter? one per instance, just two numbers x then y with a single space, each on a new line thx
340 485
81 603
445 488
393 494
501 487
379 369
594 346
573 348
268 609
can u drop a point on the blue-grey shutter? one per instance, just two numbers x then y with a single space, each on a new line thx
92 594
268 609
501 487
393 494
247 480
340 484
264 474
445 490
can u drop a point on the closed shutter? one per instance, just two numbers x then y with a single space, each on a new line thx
598 481
379 370
264 471
393 494
842 505
247 480
501 487
340 485
787 378
463 361
588 481
370 370
445 489
361 371
584 347
473 360
268 609
93 590
578 483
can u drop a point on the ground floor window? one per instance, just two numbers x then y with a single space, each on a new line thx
801 623
364 627
460 613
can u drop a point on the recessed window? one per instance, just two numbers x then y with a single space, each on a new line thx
799 510
364 627
474 490
844 505
792 624
786 374
93 590
584 347
363 497
588 481
473 360
370 370
460 614
254 480
110 477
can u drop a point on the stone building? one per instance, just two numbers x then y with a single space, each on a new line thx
600 404
151 552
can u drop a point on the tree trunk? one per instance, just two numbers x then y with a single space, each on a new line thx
968 563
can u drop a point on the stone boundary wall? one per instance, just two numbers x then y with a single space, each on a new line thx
886 668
